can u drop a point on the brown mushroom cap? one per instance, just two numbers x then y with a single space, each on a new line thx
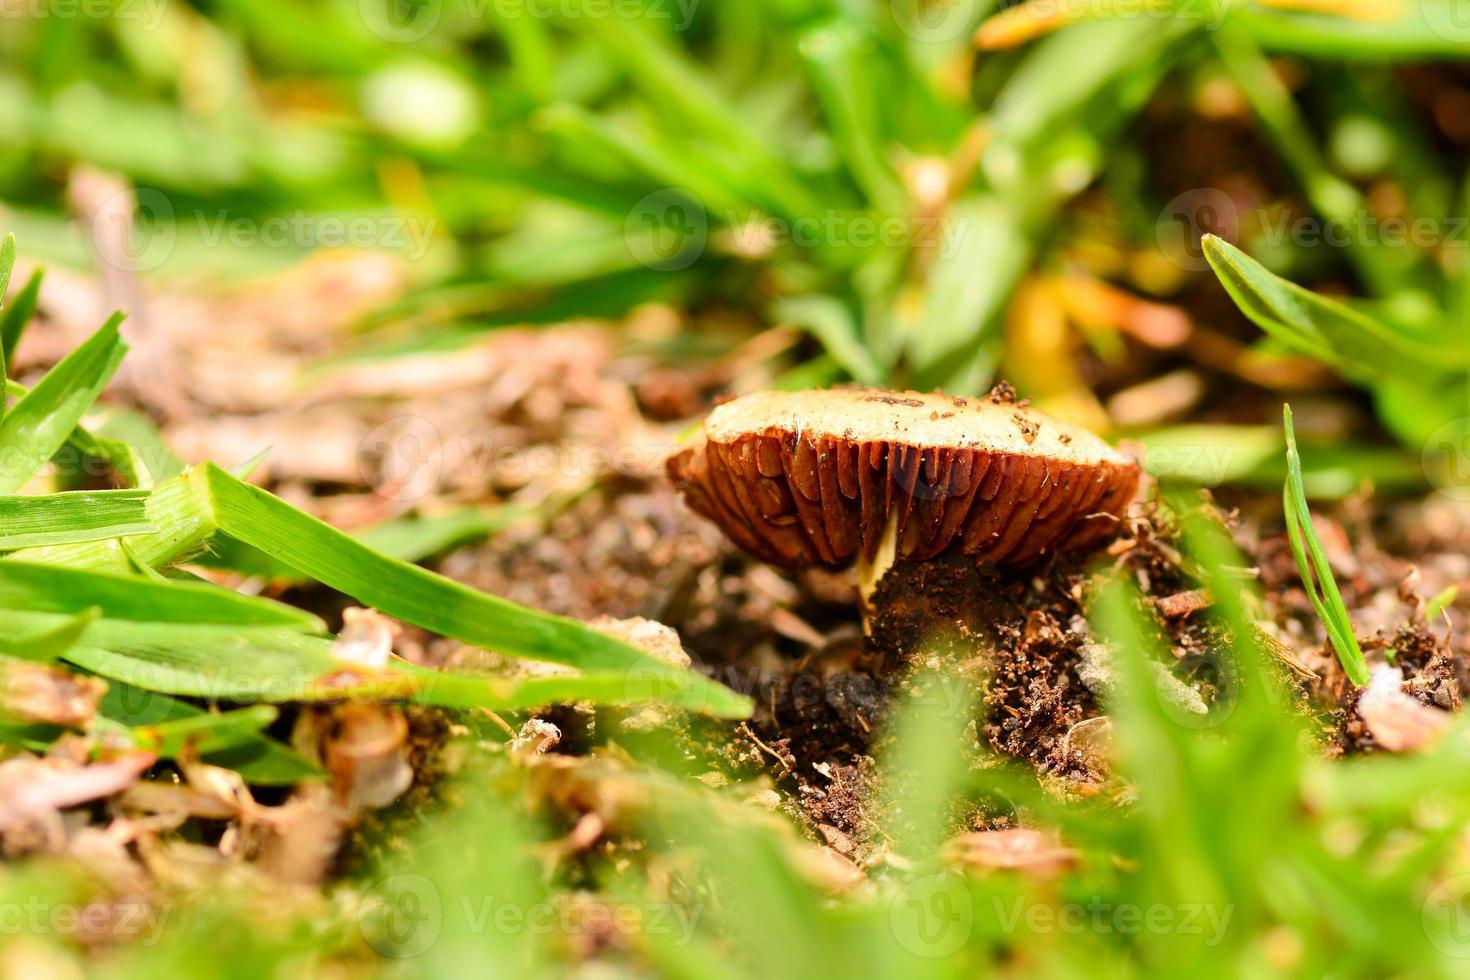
812 477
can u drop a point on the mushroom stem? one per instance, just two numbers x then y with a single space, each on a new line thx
870 571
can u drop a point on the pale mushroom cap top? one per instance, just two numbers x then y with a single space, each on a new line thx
913 419
813 477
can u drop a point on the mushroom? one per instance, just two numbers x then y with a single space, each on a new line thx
867 478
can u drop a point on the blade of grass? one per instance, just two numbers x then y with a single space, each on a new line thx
434 602
1387 271
7 264
1312 564
42 421
1351 342
840 58
1413 34
141 465
48 588
65 518
829 320
14 317
205 732
51 642
259 759
669 79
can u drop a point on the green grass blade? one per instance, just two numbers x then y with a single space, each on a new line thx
595 137
65 518
48 588
42 421
1351 342
1423 29
840 57
275 665
7 264
51 642
436 603
14 317
259 759
1387 271
141 462
205 732
672 81
178 508
829 320
1313 566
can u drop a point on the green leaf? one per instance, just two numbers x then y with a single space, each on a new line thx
1422 29
15 316
434 602
259 759
1251 455
62 518
1311 562
205 732
827 319
42 421
140 461
1357 345
51 641
841 57
53 589
7 264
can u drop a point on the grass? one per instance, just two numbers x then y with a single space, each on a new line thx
583 165
1316 572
